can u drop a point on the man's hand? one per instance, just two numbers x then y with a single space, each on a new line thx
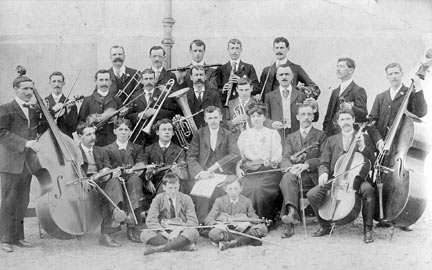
226 87
34 145
221 227
240 119
149 112
257 97
204 175
277 125
242 226
298 159
150 187
347 105
323 179
380 145
233 78
57 107
417 84
174 234
124 111
360 140
297 169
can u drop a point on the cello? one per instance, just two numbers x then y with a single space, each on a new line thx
64 211
343 203
399 167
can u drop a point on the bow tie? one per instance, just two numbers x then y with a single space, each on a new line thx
122 147
26 105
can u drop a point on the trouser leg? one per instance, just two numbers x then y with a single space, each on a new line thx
316 197
369 200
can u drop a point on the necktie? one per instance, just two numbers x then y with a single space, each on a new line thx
199 95
285 93
172 209
232 206
157 75
147 97
122 156
304 134
118 74
346 144
234 65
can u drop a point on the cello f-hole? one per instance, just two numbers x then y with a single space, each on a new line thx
59 195
399 164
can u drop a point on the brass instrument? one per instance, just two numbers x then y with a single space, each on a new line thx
189 66
310 90
182 130
123 91
229 89
181 98
239 110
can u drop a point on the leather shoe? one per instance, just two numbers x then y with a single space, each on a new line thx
150 249
132 235
407 228
288 231
292 217
368 238
23 243
223 245
107 241
322 231
382 224
6 247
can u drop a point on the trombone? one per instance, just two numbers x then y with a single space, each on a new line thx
123 91
149 121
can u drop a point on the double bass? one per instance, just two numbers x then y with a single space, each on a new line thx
343 203
63 210
399 167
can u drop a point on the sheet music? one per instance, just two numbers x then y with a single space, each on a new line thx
205 187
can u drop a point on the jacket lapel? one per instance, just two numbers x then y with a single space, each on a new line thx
294 96
19 110
206 135
347 90
219 137
401 93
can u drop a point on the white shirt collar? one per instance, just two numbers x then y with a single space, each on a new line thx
149 91
344 85
214 131
393 91
56 97
104 94
281 62
122 70
289 88
20 102
121 145
232 201
305 129
162 145
202 63
196 90
86 150
236 61
157 70
347 134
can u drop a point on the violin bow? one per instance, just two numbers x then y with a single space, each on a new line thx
67 97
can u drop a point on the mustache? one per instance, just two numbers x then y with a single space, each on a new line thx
279 53
199 80
118 59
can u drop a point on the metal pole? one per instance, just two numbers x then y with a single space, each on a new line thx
168 41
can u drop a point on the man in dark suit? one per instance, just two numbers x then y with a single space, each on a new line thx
96 162
93 108
304 166
125 153
18 125
333 149
123 78
197 50
164 151
282 103
68 117
200 96
211 144
157 57
229 73
268 78
145 108
387 104
348 95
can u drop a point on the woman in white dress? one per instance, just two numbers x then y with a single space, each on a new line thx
261 150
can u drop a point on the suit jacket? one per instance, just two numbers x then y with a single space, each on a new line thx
14 133
299 76
165 76
244 69
222 205
294 142
100 156
134 154
333 149
96 103
275 111
210 98
384 110
154 154
160 209
353 93
210 74
68 121
230 115
119 84
199 151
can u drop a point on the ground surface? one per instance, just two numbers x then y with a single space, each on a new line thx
343 250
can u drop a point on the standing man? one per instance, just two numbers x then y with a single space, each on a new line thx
304 166
96 108
229 73
18 123
68 115
347 95
282 103
268 78
211 144
123 78
387 104
197 50
335 147
157 57
200 95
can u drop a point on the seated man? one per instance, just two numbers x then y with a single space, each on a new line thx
125 153
96 161
230 207
304 165
170 205
166 153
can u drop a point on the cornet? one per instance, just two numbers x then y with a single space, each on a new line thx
239 110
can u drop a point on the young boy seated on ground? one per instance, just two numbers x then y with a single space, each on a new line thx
167 208
235 211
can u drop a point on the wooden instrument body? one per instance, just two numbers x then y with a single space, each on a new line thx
405 184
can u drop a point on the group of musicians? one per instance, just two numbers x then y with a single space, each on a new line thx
257 132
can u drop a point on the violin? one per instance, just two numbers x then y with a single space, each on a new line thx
62 110
343 203
240 218
64 211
